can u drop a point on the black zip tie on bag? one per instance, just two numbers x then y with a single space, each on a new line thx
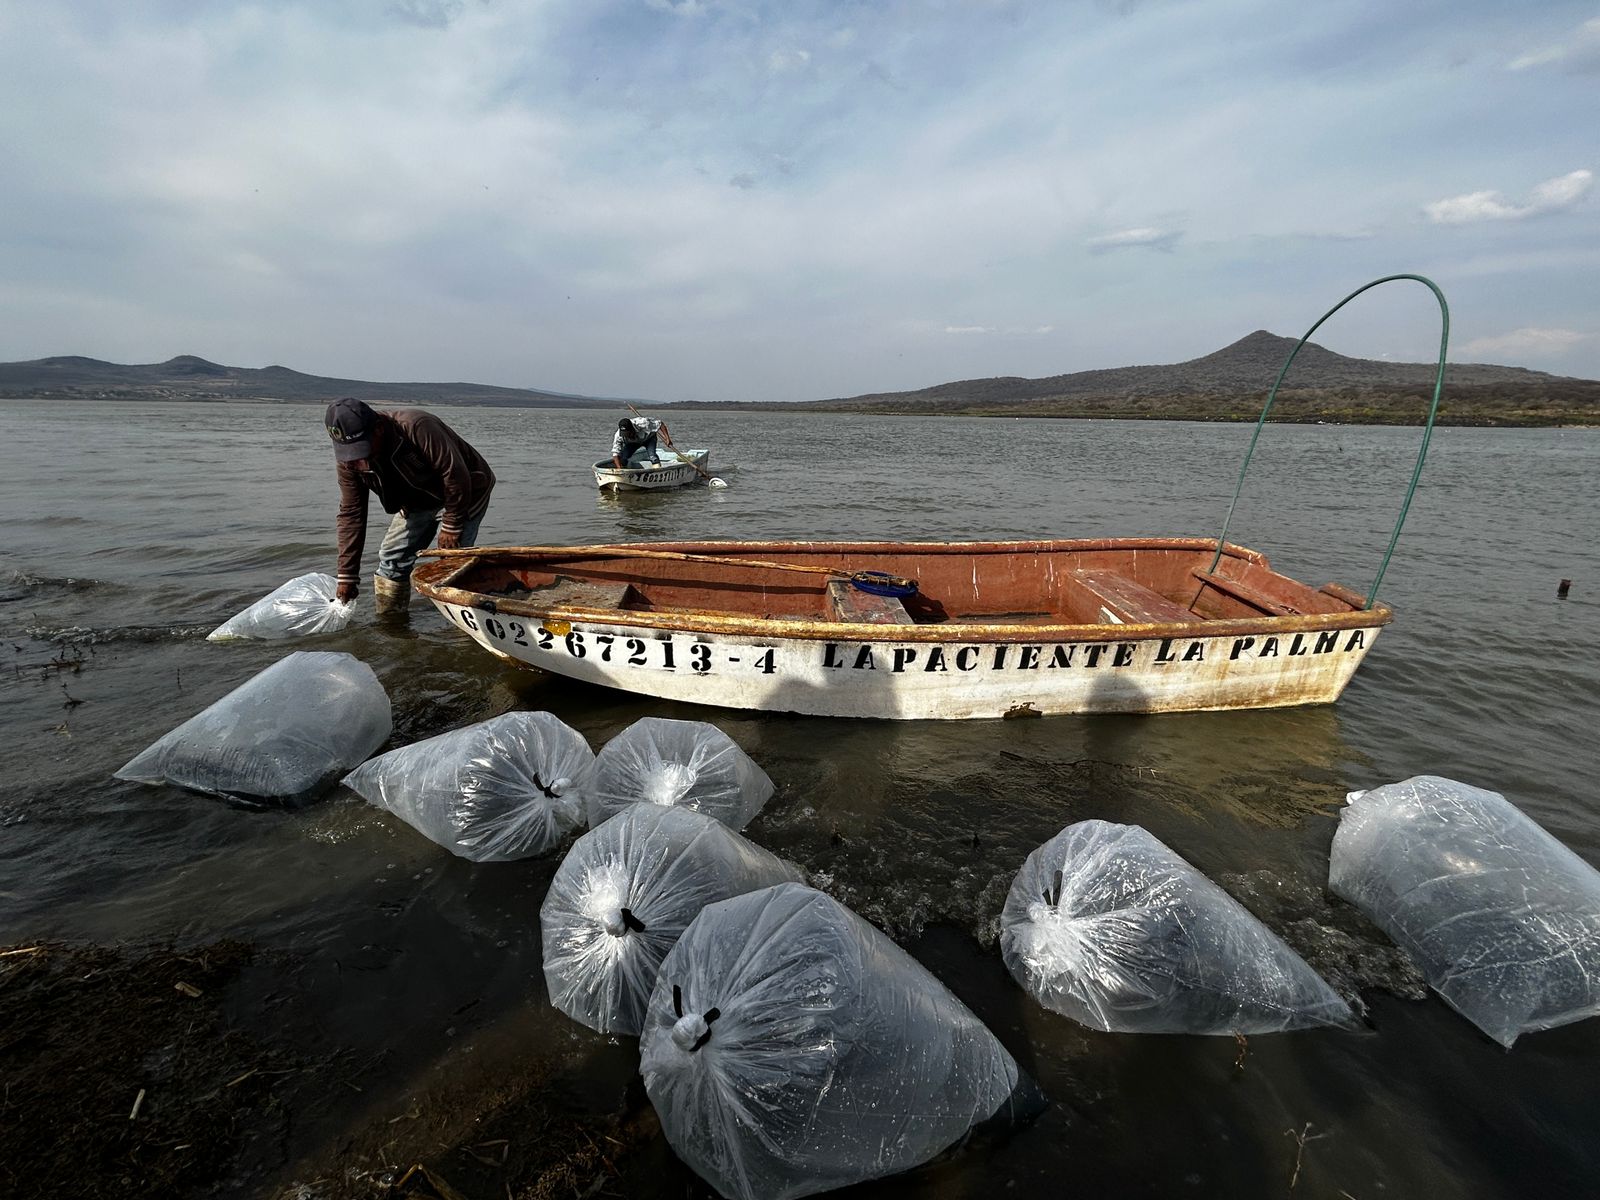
710 1015
1053 901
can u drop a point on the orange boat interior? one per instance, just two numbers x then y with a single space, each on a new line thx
1114 581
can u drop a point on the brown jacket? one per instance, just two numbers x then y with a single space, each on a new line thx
422 465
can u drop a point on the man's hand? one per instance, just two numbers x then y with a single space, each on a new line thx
346 591
449 539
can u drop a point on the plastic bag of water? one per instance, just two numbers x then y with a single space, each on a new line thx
686 763
1502 919
625 893
498 790
1106 925
282 735
790 1048
299 608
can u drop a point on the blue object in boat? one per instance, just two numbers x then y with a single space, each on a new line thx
879 583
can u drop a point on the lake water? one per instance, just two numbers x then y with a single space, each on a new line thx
133 529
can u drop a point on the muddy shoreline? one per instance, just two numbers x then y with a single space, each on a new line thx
130 1072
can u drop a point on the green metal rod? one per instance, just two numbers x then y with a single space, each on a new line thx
1427 432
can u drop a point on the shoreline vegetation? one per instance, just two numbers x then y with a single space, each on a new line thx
1309 407
1488 406
1229 385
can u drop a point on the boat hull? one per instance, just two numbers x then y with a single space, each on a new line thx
987 630
1122 671
672 473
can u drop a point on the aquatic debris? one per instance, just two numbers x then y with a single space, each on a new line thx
81 635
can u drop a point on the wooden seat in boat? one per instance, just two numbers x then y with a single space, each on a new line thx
847 603
1121 601
581 593
1245 594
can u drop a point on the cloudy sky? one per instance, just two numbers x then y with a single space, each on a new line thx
792 199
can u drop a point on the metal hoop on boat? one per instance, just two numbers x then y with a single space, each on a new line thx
1427 431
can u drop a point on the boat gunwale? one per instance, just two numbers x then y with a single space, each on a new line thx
732 546
451 565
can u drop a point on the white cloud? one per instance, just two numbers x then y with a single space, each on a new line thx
679 8
1553 195
788 60
1009 331
1579 52
1154 239
430 14
1474 206
1527 341
1562 192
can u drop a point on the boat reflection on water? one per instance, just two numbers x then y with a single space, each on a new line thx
647 515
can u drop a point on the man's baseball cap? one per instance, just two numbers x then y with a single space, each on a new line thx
350 423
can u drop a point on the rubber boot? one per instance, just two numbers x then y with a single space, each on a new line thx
390 596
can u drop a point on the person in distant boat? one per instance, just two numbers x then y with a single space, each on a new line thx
422 471
634 443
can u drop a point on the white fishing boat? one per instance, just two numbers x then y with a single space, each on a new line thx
676 469
936 630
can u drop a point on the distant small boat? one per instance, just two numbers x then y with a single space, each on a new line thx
672 472
990 629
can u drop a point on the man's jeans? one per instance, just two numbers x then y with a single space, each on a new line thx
409 535
644 452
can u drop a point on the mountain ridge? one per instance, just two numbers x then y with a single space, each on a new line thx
190 377
1228 384
1231 384
1251 363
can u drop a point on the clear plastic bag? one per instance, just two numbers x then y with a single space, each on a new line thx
790 1048
282 735
1106 925
623 896
687 763
299 608
1502 919
499 790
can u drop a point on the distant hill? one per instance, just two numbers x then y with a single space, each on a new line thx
1231 385
1228 385
1250 364
189 378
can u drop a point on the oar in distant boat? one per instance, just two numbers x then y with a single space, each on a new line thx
709 477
